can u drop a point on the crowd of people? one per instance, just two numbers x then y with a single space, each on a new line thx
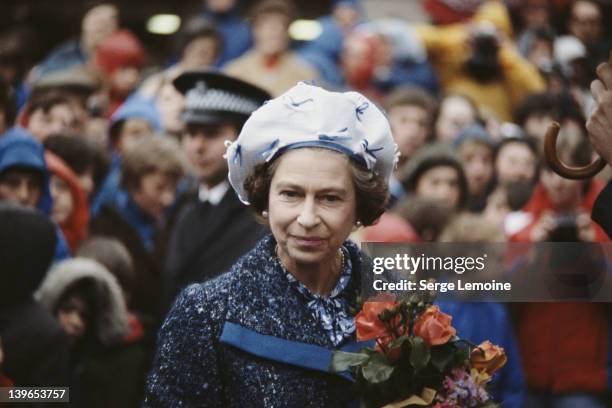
114 189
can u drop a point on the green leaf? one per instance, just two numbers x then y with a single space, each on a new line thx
342 361
419 353
377 370
441 358
462 353
398 342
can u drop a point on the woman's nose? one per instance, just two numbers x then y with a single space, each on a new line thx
308 217
76 322
23 193
167 198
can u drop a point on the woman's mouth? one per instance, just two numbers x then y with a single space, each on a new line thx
308 241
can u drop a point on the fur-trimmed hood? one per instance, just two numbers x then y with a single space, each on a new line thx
111 314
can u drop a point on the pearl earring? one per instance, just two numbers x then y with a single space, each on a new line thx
358 224
264 214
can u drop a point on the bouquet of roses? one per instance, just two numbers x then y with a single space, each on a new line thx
418 360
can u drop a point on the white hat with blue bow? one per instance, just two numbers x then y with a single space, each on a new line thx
310 116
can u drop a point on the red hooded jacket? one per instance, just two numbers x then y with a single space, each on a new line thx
76 225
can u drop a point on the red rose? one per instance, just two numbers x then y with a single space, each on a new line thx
434 327
367 322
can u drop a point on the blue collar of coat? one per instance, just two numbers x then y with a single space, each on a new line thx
262 299
295 353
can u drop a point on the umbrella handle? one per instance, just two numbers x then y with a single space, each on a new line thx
569 172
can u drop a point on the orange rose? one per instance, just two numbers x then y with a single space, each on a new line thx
367 323
434 327
488 357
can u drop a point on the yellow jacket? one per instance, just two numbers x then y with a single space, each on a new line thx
448 48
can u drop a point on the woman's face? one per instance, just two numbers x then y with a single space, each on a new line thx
515 162
59 118
63 204
200 53
270 33
455 114
21 187
410 126
73 317
170 103
564 194
312 204
478 165
440 183
156 193
132 131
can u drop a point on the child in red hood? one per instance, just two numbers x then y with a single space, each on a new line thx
70 210
120 58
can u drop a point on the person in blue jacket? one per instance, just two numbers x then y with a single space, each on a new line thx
98 23
324 51
24 178
234 29
137 117
313 165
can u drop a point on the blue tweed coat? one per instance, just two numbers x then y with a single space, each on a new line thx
247 339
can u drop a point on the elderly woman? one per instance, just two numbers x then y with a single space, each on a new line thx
314 165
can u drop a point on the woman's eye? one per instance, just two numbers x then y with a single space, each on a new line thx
288 194
330 198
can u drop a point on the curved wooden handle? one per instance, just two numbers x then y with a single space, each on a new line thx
569 172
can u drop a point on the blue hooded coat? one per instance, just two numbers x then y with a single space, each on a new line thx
18 148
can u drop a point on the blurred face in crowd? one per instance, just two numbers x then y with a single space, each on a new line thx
541 53
60 118
270 33
585 21
358 59
497 207
410 127
155 193
21 186
440 183
63 203
537 125
124 80
564 194
86 181
132 130
201 52
170 104
477 158
535 13
346 16
73 316
3 124
455 114
98 24
515 162
312 205
219 6
204 146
